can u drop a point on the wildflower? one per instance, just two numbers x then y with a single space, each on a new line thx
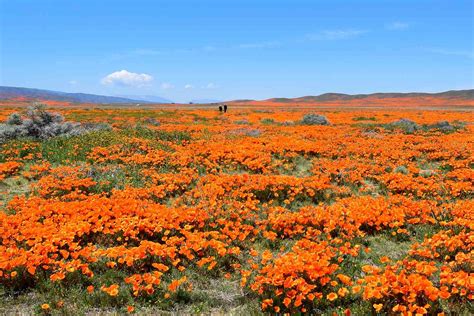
332 296
377 307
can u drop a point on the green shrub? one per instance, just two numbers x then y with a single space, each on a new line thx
37 123
314 119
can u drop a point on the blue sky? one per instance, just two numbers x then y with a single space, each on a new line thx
226 49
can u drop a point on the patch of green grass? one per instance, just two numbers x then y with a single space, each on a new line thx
356 306
111 177
382 245
368 127
74 149
103 114
364 118
59 150
156 134
11 187
210 293
17 149
267 121
299 166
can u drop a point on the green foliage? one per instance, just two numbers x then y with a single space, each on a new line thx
153 134
402 170
314 119
267 121
364 118
40 124
115 177
76 148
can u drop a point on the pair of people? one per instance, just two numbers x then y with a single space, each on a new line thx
223 108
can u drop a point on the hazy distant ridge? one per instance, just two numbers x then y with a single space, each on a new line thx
17 92
146 98
459 94
29 93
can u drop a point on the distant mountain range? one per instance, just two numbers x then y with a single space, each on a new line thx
147 98
455 94
205 101
48 95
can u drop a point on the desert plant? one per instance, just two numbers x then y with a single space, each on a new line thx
252 132
314 119
242 122
444 126
41 124
14 119
8 132
407 126
152 121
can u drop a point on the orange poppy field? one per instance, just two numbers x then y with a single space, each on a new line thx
188 210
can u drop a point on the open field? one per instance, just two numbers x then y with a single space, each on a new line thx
187 210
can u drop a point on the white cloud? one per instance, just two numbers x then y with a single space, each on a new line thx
188 86
335 34
126 78
397 26
166 86
210 85
73 82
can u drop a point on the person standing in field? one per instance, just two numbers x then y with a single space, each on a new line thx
220 108
225 108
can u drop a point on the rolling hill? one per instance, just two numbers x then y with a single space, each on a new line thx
447 97
48 95
454 94
146 98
